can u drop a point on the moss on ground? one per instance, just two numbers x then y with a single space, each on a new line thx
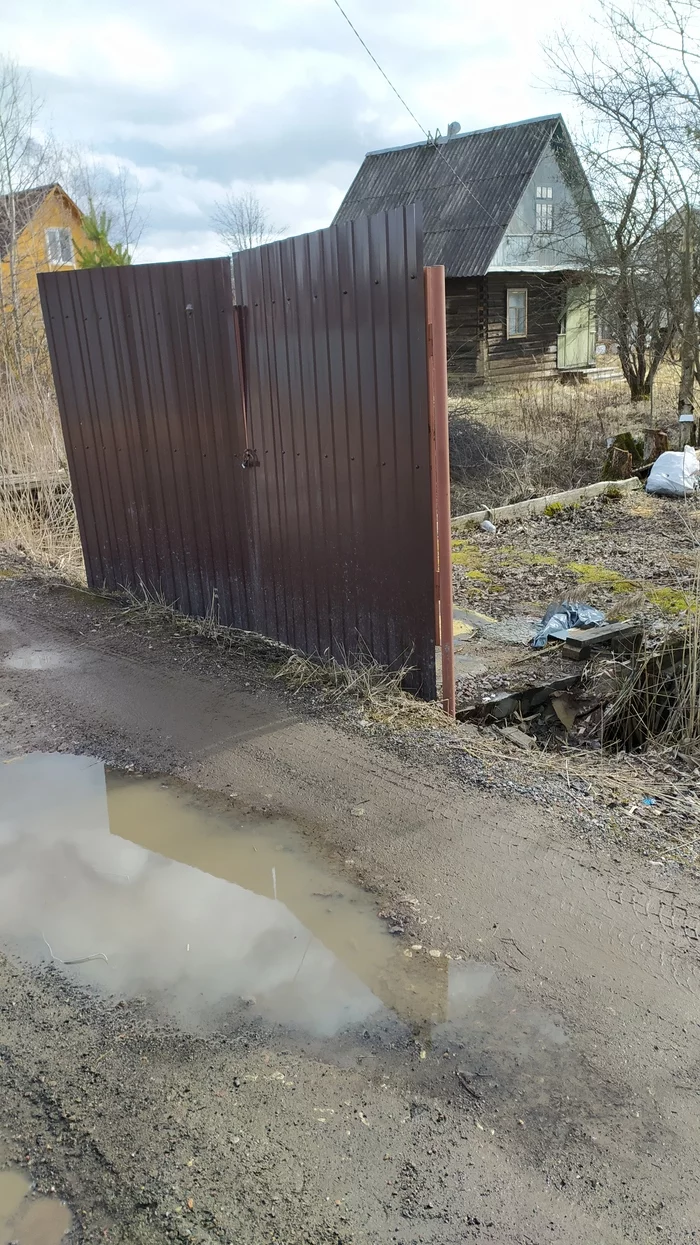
669 600
467 555
589 573
538 559
482 566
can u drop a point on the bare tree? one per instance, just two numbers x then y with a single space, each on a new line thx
242 222
129 220
117 194
640 92
628 171
665 35
24 163
32 160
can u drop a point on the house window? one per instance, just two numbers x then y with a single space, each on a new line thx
544 209
516 301
59 246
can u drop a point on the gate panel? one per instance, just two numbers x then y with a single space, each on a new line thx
147 382
341 501
326 542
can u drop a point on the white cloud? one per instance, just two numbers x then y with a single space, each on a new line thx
196 100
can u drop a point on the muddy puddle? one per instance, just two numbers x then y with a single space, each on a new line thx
143 888
29 1220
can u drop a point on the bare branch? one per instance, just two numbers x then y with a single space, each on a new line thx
637 90
242 222
88 181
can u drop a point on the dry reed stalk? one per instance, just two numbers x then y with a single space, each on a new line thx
37 513
658 686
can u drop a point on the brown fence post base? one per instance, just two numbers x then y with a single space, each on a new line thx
440 475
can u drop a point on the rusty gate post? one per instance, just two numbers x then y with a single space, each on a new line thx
440 461
431 429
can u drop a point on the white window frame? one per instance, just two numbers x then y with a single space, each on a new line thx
544 209
544 216
60 262
515 290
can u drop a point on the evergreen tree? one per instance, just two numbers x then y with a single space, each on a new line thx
100 252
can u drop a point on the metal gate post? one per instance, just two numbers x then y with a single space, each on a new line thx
440 473
433 451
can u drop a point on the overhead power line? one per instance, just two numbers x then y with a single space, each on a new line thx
385 75
432 141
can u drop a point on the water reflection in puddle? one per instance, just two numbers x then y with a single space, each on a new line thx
37 659
29 1221
203 910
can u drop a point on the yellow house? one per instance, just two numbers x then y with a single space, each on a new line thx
47 226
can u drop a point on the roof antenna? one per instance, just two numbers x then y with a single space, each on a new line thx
453 129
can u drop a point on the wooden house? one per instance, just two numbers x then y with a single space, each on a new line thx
509 213
46 226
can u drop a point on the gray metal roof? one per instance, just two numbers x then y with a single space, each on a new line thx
469 187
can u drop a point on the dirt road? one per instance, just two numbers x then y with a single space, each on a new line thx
541 1085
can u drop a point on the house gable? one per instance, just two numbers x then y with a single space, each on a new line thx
469 186
525 246
477 191
37 211
56 211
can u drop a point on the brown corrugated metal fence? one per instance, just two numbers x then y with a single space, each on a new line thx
316 381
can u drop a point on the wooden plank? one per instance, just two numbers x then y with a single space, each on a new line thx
582 641
522 701
579 636
537 505
25 483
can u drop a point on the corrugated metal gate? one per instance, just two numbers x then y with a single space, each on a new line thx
273 457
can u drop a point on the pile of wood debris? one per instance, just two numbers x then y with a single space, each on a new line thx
633 687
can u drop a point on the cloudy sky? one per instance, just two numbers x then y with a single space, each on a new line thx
196 99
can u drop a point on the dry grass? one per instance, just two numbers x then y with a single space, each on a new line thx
509 443
656 690
378 689
359 679
156 610
358 676
37 514
651 797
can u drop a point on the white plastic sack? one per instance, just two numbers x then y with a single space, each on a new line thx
675 473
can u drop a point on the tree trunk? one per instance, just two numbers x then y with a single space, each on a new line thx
640 388
686 386
688 327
